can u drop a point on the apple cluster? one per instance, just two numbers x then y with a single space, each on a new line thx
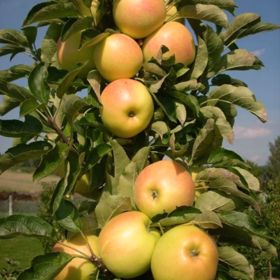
143 29
129 244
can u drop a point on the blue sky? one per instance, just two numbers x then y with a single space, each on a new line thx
251 136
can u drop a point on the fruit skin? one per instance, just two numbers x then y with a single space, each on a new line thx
139 18
117 57
69 55
126 244
162 186
185 252
176 37
127 107
77 268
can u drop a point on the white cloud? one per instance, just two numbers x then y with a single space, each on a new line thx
242 132
259 52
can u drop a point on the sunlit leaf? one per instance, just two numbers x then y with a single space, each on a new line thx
240 96
212 201
210 13
109 206
237 26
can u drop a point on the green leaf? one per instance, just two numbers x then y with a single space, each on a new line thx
28 106
109 206
15 72
259 27
13 37
212 201
51 161
189 100
222 79
50 11
208 139
215 47
67 216
15 128
236 262
25 225
30 32
188 85
243 221
66 83
160 128
66 184
97 154
251 181
210 13
239 59
78 26
46 267
201 59
180 215
264 245
224 4
237 26
7 105
71 106
23 152
49 43
225 158
181 113
240 96
126 181
11 49
208 220
212 112
38 83
223 180
141 158
14 91
121 160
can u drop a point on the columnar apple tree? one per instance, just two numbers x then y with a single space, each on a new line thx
114 87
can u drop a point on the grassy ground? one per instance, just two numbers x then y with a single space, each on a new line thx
20 249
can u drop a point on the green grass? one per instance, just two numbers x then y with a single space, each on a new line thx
21 249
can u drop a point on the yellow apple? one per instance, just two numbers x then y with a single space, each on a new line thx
117 57
176 37
162 186
127 107
126 244
78 268
139 18
185 252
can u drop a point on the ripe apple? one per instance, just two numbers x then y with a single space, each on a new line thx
127 107
117 57
126 244
77 268
185 252
139 18
176 37
162 186
69 54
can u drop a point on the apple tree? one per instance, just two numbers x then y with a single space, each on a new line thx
186 90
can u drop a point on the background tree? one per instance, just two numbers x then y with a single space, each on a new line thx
195 105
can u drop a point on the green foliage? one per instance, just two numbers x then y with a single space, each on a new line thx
195 110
